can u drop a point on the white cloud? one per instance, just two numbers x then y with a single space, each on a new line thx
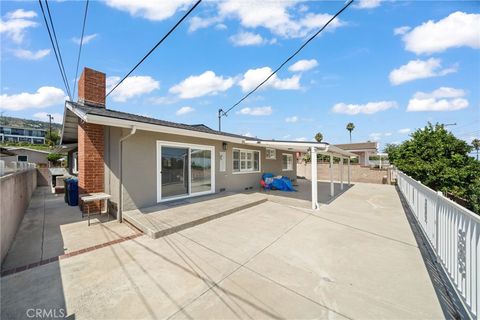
131 87
442 99
419 69
30 55
259 111
457 30
303 65
21 14
44 97
16 23
375 136
367 4
292 119
254 77
401 30
200 23
206 83
184 110
242 39
248 134
150 9
283 18
369 108
57 117
86 38
301 139
404 131
163 100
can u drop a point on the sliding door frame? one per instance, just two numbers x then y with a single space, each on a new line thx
189 146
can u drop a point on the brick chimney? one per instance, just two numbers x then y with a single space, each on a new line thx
91 88
91 168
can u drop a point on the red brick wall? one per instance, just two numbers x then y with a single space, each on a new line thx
90 159
91 87
91 170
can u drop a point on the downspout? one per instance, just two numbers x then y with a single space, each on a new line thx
120 166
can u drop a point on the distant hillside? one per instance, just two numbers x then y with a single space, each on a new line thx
28 123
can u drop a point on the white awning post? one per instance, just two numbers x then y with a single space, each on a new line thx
313 162
332 194
340 165
349 171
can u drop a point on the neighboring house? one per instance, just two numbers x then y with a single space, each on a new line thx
363 149
142 161
24 154
12 134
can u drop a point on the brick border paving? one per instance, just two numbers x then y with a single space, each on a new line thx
68 255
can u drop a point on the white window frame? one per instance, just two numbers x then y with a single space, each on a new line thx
268 155
22 155
289 155
246 152
161 144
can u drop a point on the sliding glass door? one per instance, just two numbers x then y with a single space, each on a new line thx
184 170
174 172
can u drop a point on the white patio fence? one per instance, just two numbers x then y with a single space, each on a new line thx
453 232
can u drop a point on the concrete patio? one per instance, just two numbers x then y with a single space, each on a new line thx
356 258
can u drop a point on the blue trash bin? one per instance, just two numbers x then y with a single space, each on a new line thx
72 186
65 196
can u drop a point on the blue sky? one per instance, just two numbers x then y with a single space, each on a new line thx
387 66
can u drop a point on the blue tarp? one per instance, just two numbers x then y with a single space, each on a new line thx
282 184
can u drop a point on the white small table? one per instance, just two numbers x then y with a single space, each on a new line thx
98 196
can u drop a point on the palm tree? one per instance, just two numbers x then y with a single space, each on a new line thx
319 137
476 145
350 127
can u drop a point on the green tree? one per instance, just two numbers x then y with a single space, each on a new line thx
54 157
440 161
319 137
350 127
476 145
53 138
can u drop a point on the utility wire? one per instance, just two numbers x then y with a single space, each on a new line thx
224 113
62 70
58 47
158 43
80 48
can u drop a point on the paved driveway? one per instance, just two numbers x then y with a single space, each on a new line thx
355 258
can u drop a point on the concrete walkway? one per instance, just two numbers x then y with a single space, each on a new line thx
51 228
356 258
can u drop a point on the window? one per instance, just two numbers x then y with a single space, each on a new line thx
75 163
246 160
22 158
287 162
271 154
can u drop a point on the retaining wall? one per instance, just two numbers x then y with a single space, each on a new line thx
357 172
15 193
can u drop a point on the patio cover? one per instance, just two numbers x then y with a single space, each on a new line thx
314 148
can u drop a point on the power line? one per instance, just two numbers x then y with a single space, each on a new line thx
58 47
158 43
222 113
80 48
62 70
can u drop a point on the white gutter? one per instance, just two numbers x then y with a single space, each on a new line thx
120 166
290 144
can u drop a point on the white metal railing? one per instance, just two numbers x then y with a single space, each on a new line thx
14 166
453 232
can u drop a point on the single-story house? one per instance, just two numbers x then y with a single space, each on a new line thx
25 154
142 161
362 149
